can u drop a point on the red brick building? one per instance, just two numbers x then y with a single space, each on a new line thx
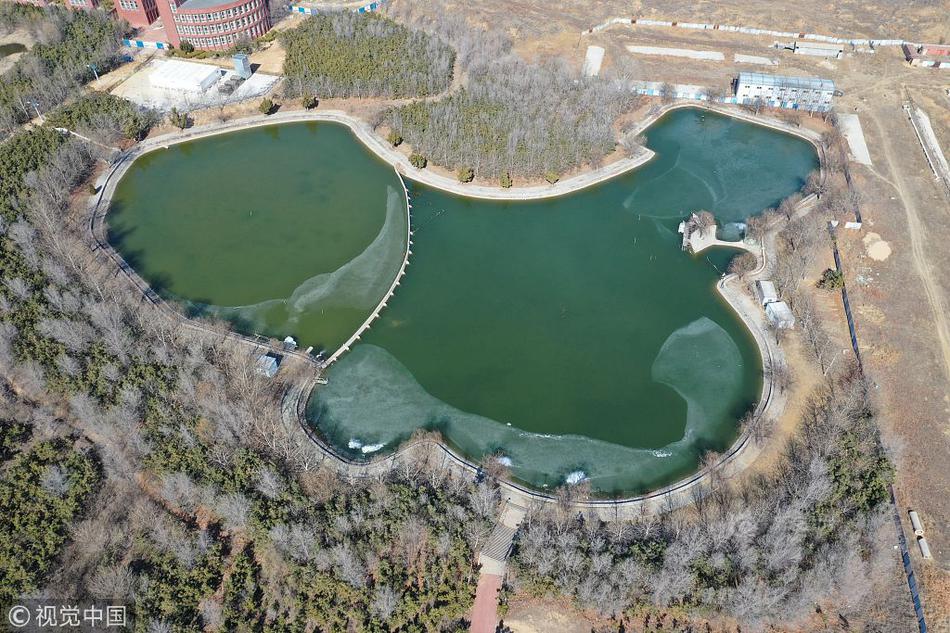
213 24
138 13
207 24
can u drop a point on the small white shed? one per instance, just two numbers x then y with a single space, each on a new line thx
780 315
267 365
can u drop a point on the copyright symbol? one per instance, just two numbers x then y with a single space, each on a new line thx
18 616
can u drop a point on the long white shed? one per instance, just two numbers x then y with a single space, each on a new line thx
174 74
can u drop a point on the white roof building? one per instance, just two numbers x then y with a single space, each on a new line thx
780 91
765 292
174 74
780 315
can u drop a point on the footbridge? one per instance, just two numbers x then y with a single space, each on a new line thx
392 287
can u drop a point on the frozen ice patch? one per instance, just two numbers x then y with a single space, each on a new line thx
575 477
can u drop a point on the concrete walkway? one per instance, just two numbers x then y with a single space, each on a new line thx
401 163
493 560
701 240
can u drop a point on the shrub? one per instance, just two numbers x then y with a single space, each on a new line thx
187 47
418 161
266 107
466 174
179 119
310 102
394 139
551 177
506 180
831 280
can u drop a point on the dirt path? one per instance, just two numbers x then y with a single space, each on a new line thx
915 231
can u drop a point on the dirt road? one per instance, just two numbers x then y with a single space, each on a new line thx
916 230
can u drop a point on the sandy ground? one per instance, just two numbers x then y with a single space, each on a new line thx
901 303
875 18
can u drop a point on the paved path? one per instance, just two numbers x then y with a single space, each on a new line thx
485 611
701 240
401 163
493 560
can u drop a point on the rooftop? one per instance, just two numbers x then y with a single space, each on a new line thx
203 4
810 83
182 75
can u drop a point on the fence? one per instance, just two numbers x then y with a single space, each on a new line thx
144 44
854 41
329 8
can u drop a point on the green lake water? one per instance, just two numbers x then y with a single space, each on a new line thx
286 229
570 335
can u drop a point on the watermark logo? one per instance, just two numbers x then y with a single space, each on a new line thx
18 616
38 616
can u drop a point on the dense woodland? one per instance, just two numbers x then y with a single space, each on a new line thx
512 117
146 463
363 55
59 63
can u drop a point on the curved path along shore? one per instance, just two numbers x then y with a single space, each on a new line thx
678 494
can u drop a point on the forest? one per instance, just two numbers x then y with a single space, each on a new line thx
513 117
363 55
68 43
150 463
103 115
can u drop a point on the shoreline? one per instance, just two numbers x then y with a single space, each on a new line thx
384 151
677 494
